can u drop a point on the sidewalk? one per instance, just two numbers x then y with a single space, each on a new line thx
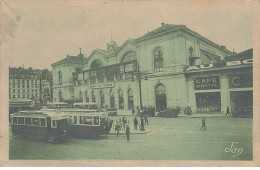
201 115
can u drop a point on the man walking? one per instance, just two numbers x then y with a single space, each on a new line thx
203 127
127 131
117 128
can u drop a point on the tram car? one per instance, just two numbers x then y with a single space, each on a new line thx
40 126
88 125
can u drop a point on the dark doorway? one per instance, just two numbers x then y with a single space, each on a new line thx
242 103
102 98
160 98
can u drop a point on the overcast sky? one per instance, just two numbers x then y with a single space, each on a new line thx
44 31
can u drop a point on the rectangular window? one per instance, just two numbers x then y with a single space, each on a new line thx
15 120
28 121
18 85
32 90
27 90
88 120
23 96
54 124
18 90
18 95
36 121
23 90
20 120
28 86
13 90
13 85
28 96
13 96
23 85
35 90
96 120
43 123
75 119
70 120
27 81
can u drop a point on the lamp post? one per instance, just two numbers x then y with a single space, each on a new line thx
138 75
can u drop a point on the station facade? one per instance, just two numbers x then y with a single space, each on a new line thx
167 67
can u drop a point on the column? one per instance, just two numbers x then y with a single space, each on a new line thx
224 93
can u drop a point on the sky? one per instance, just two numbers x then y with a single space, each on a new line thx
38 33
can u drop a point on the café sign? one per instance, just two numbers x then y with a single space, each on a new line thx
215 65
205 83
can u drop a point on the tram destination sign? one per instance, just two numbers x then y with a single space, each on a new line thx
205 83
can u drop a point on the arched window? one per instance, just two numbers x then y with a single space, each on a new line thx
130 99
59 78
86 96
97 72
112 98
102 98
158 60
93 97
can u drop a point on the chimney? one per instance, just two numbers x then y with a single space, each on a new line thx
162 24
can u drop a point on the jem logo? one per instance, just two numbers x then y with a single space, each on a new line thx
235 150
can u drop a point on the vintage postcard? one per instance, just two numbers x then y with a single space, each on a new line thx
129 83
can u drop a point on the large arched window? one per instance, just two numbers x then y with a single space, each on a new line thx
59 78
97 72
158 60
128 64
160 97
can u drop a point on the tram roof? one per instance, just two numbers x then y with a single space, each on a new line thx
39 114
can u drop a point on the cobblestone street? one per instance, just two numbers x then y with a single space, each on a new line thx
168 139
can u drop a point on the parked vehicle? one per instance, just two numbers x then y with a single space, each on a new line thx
147 111
88 125
40 125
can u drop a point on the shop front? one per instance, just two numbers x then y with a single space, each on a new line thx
241 94
208 98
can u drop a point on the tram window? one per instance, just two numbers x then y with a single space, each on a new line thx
28 121
70 120
15 120
43 123
88 120
54 123
75 119
20 120
96 120
36 121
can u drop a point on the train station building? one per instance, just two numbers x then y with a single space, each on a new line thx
167 67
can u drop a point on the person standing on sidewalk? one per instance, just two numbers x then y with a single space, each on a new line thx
117 128
203 127
133 111
146 120
127 131
135 123
228 111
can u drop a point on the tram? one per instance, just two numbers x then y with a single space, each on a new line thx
40 125
88 125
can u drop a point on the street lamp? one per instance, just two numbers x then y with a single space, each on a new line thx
138 74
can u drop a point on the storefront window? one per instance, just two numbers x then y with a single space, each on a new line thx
208 102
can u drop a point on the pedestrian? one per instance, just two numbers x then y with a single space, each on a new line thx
133 111
142 124
117 128
135 123
146 120
203 127
127 131
228 111
106 106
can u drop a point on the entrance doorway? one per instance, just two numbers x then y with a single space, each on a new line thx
160 97
242 103
208 102
130 99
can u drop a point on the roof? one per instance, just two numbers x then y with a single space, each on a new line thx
247 54
166 28
79 59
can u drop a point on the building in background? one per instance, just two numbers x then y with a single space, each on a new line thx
29 87
167 67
